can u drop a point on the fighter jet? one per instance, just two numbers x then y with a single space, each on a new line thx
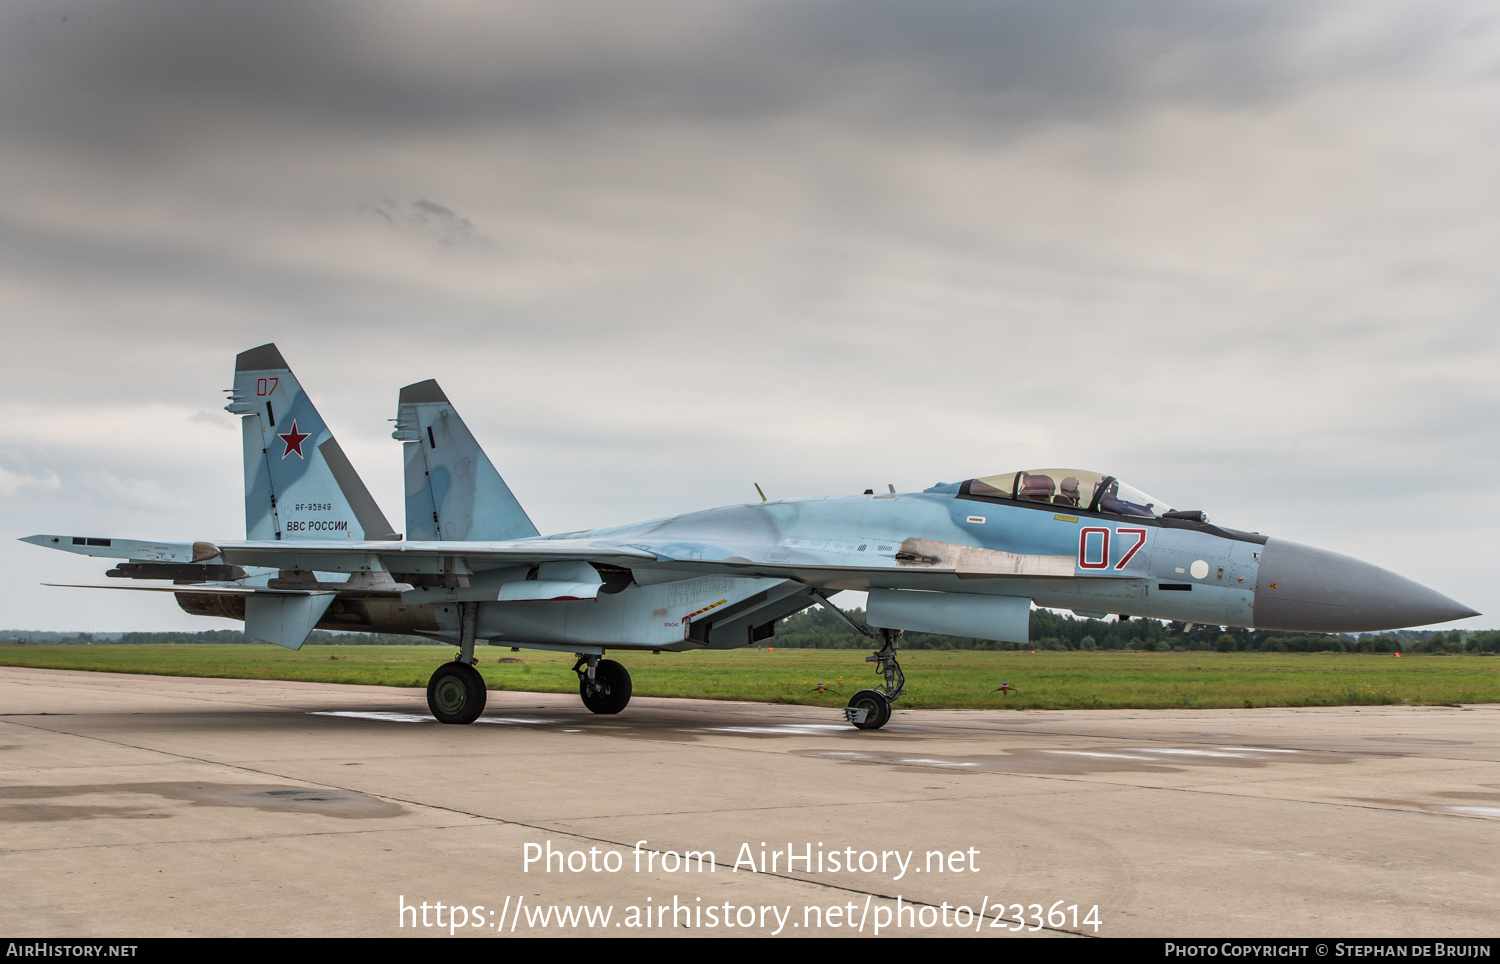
968 558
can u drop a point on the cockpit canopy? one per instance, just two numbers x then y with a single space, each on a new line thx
1073 488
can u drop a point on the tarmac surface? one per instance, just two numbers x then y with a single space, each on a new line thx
140 806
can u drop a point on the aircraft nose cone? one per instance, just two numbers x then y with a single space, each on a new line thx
1303 589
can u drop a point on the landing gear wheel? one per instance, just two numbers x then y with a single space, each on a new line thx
609 691
456 693
868 710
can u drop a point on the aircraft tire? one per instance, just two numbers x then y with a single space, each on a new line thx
877 707
456 693
611 690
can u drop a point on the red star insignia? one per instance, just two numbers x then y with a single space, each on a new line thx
293 440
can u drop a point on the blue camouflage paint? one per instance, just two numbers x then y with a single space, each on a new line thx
721 576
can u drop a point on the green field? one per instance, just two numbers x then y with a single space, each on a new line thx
935 679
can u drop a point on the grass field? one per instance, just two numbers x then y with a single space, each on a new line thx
935 679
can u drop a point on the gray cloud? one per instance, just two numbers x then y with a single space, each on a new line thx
1238 253
430 220
153 73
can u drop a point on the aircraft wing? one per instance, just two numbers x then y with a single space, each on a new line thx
463 557
419 557
137 550
217 588
791 558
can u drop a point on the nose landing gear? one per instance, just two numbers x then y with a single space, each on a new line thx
868 710
603 684
871 709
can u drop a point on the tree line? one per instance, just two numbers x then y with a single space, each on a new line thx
227 636
817 628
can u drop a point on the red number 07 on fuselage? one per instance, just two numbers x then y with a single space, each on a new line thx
1100 560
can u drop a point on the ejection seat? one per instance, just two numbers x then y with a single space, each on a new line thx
1036 488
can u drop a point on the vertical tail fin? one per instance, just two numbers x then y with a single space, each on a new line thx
452 489
298 482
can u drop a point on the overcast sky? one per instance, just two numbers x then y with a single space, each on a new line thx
1243 255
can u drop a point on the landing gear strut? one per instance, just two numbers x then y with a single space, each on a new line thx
871 709
603 683
456 693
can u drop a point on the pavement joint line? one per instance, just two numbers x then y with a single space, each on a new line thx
1354 867
422 804
1113 741
788 807
191 698
753 749
147 845
455 810
1062 778
272 773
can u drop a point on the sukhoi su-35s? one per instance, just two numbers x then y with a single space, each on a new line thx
965 558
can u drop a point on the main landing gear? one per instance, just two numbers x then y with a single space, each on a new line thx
871 709
603 683
456 693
